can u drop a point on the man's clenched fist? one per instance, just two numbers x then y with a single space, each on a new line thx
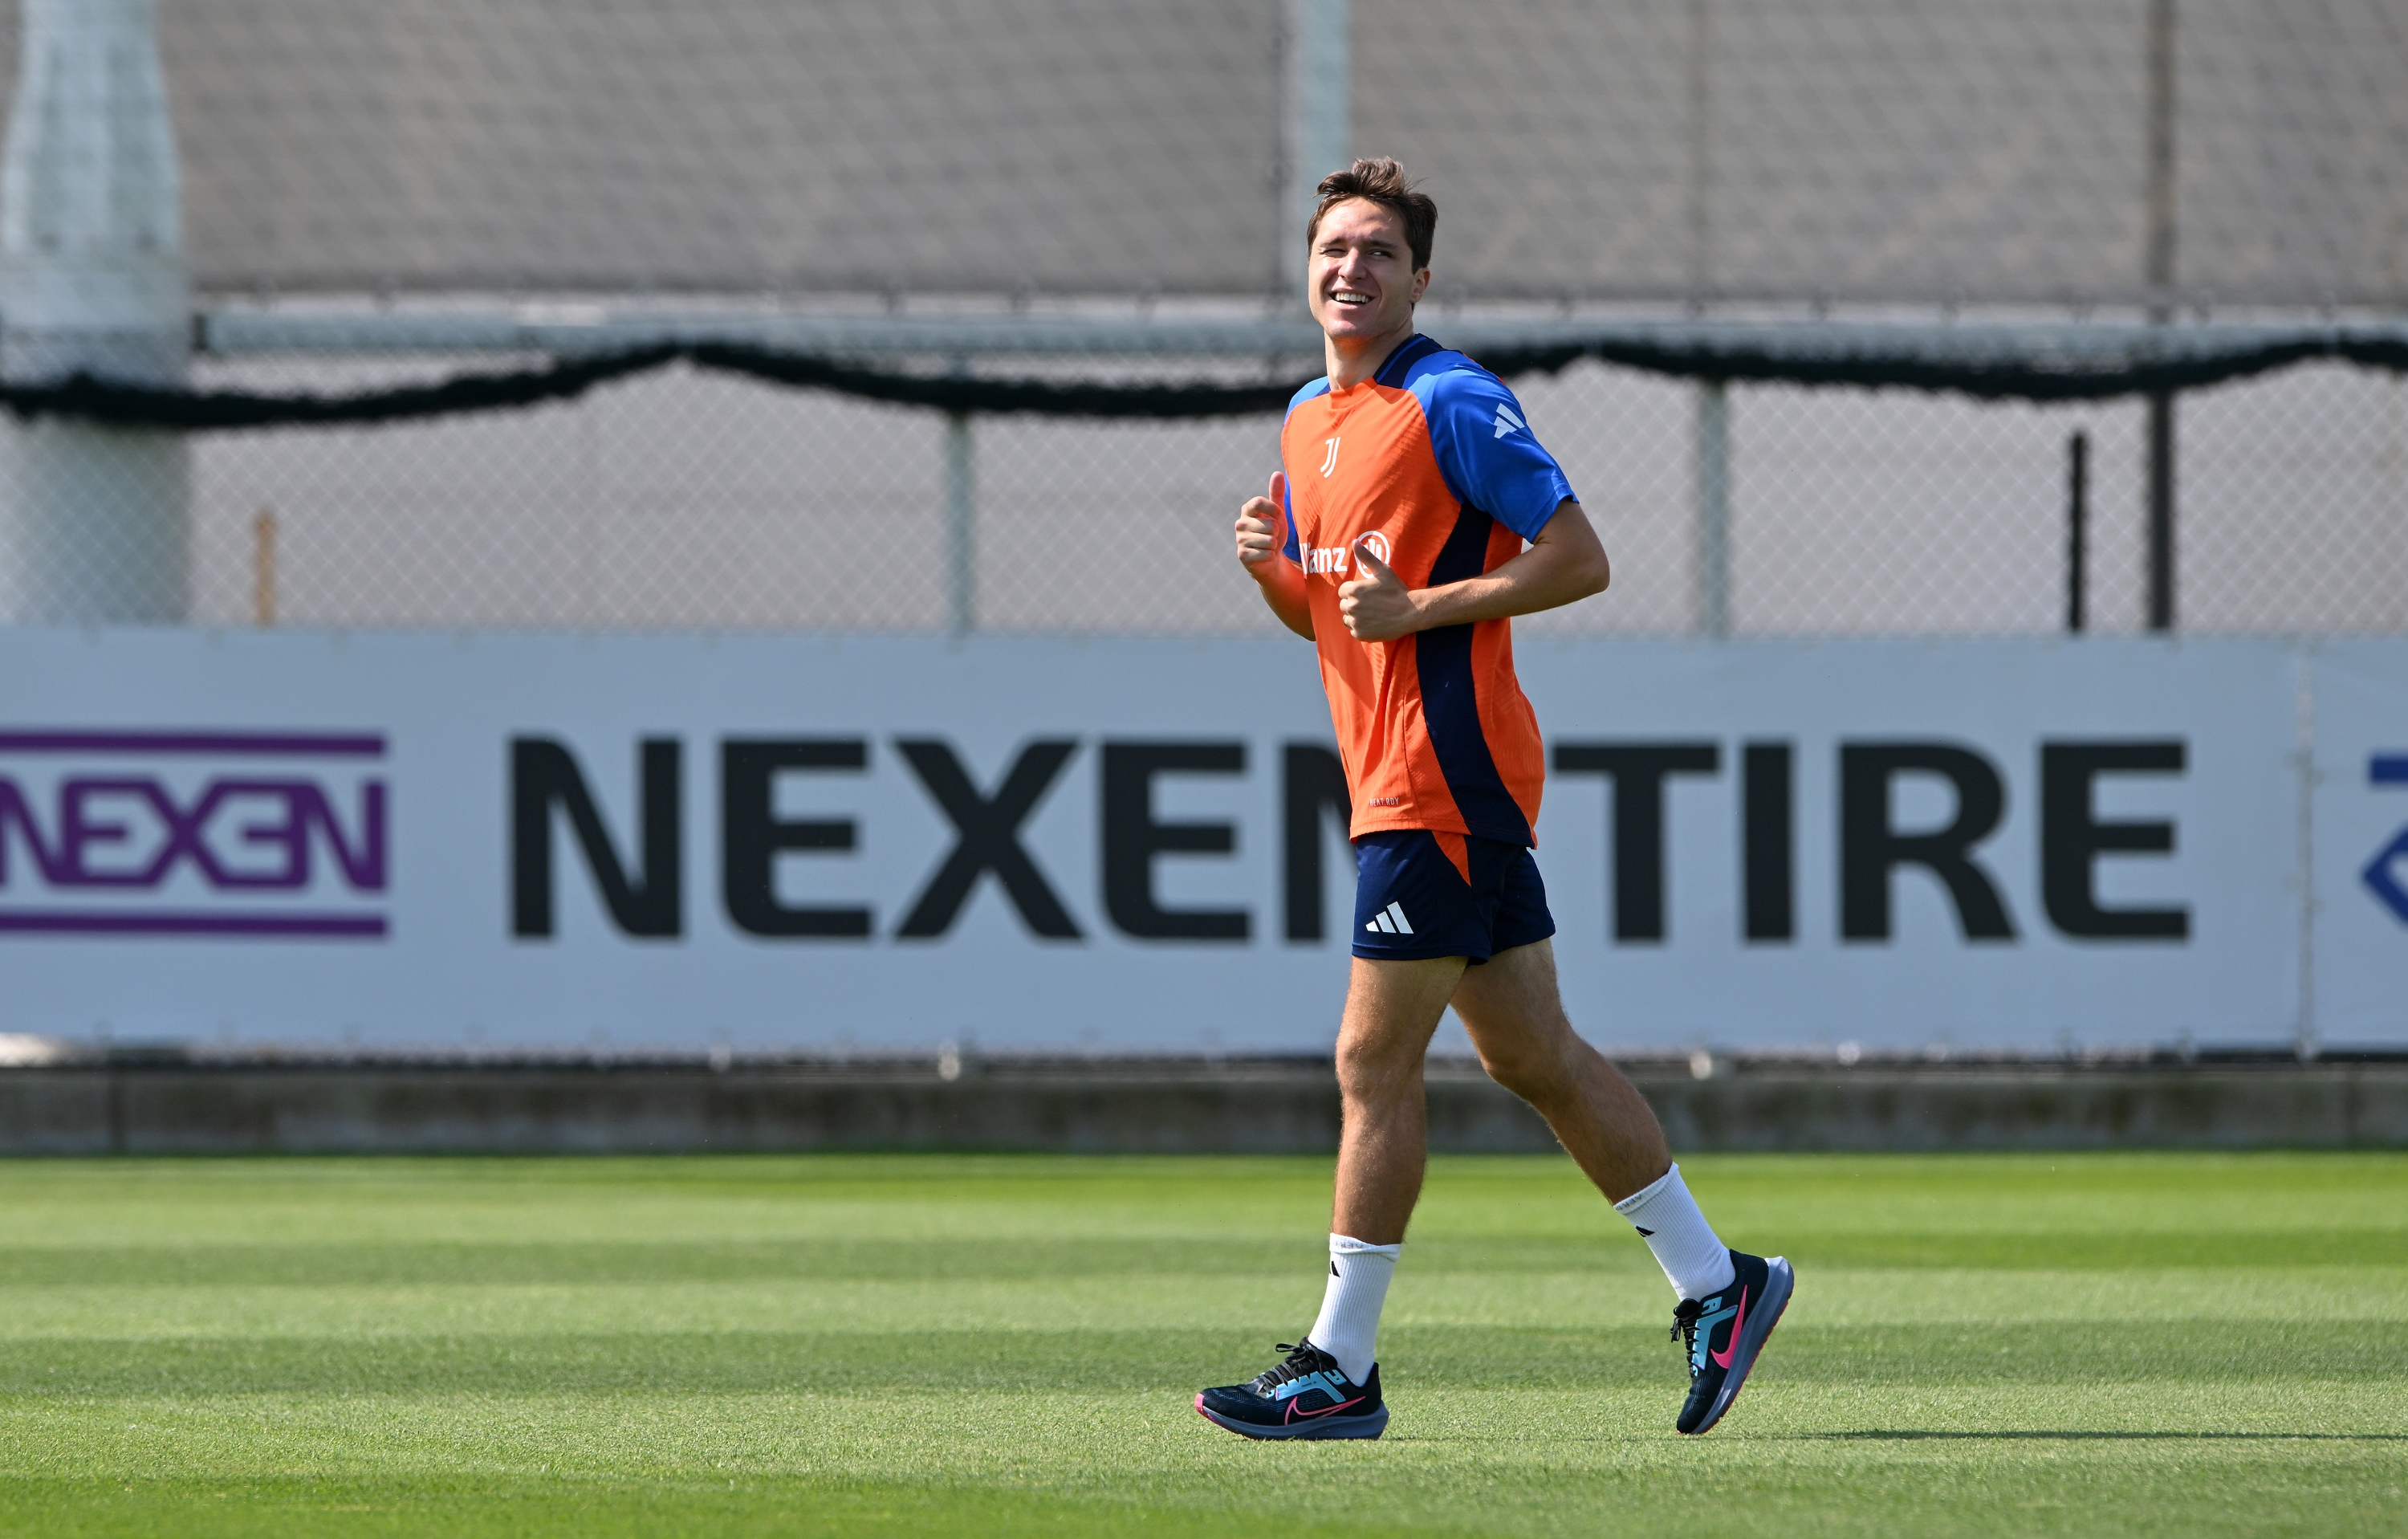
1376 606
1258 527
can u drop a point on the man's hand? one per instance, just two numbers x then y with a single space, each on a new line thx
1564 565
1282 581
1258 527
1377 606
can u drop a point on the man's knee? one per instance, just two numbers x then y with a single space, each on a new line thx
1392 1007
1531 1069
1376 1066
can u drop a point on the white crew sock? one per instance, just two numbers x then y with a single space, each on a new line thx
1695 1261
1350 1308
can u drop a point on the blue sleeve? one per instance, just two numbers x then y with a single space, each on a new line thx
1486 451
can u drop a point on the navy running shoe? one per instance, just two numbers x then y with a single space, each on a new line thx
1306 1396
1723 1334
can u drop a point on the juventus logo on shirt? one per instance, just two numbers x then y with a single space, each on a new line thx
1330 461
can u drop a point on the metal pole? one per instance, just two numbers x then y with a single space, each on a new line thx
961 508
1700 152
2303 1038
2160 252
94 525
1714 509
2161 511
1315 124
2160 238
263 567
1713 398
2077 531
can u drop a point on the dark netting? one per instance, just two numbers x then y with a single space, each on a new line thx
566 378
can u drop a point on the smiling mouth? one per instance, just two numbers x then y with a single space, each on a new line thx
1349 299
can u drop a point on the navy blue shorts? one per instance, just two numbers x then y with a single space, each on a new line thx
1421 894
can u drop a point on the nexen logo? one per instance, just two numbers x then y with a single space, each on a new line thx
262 834
644 897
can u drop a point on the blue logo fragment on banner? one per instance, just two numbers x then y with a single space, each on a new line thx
2384 873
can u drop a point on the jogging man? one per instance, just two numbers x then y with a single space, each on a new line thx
1393 540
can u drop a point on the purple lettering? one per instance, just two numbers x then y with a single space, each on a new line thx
86 828
306 806
365 869
289 833
184 834
15 815
81 829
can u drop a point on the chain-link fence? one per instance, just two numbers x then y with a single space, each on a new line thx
1644 164
687 500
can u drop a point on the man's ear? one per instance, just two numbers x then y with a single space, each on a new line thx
1421 284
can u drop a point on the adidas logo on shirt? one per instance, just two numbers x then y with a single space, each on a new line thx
1508 423
1392 921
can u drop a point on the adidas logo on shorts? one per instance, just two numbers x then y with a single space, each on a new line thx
1392 921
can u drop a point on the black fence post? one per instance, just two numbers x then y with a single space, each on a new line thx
2077 521
2161 511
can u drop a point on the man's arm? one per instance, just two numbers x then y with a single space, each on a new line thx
1564 564
1280 580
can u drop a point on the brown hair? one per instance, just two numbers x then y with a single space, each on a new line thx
1381 182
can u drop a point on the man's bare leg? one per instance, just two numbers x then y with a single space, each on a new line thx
1516 1019
1392 1009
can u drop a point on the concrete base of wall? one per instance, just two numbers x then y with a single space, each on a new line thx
1164 1107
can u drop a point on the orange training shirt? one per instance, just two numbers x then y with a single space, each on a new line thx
1432 463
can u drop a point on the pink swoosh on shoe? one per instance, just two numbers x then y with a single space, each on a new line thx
1293 1412
1723 1358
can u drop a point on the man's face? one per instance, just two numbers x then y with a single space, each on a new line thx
1362 277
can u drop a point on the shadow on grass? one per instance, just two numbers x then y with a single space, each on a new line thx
1427 1359
2022 1436
2070 1436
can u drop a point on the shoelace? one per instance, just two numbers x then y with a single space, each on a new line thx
1302 1359
1685 1330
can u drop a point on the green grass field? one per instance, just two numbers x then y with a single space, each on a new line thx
2177 1345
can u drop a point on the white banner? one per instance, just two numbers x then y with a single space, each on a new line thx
552 842
2359 942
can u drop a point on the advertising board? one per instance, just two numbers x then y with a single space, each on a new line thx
552 843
